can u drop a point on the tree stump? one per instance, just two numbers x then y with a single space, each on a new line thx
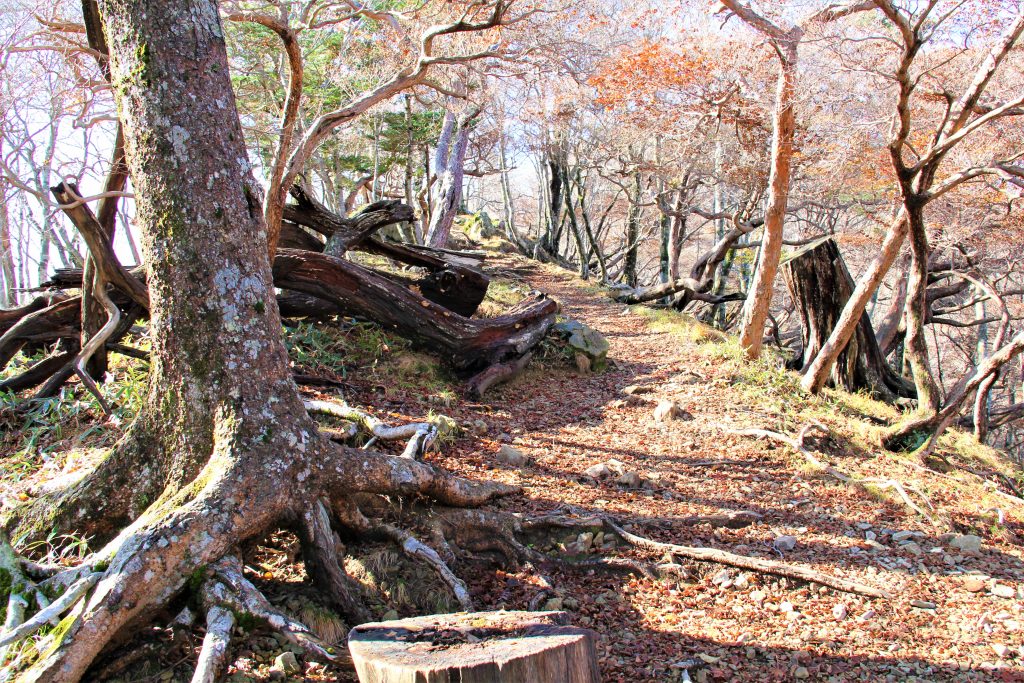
820 284
475 647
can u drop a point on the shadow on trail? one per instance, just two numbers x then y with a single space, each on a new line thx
645 627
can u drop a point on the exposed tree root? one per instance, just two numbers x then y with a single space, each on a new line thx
232 589
730 519
797 443
140 567
214 653
420 434
410 545
496 374
489 531
23 592
321 548
714 555
58 607
15 617
756 564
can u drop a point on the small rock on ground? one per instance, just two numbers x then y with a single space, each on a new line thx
512 456
1003 591
630 480
670 410
785 543
287 663
967 543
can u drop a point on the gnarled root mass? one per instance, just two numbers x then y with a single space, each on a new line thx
195 532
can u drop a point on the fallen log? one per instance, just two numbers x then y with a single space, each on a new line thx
319 285
475 647
294 237
820 284
42 326
342 233
297 305
694 291
453 280
39 372
449 282
467 344
10 316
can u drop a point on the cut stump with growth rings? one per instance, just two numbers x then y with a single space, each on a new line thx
475 647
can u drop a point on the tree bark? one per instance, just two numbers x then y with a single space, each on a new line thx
820 285
759 297
554 209
817 374
915 345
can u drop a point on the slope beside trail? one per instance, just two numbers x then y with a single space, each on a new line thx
955 614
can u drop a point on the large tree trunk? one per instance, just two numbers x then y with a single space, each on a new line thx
449 193
633 234
759 297
915 346
221 396
821 285
552 219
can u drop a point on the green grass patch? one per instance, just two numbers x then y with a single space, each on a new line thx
334 348
36 431
502 294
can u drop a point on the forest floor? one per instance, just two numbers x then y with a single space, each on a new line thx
955 614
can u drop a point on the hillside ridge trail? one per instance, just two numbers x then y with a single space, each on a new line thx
946 621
